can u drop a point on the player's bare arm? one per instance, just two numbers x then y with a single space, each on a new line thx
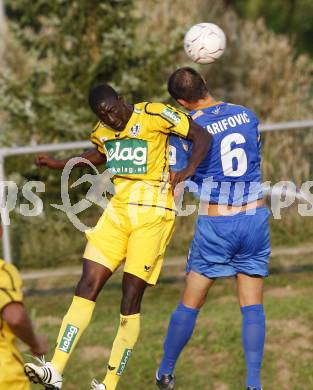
201 140
92 155
16 316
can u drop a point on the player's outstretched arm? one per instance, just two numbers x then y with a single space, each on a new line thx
16 316
92 155
201 141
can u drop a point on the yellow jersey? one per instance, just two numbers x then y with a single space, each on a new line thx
10 291
138 156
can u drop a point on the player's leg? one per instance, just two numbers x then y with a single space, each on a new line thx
182 324
250 289
74 324
251 264
128 331
151 232
250 293
106 248
208 259
78 317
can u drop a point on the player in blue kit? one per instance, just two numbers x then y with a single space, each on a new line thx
232 233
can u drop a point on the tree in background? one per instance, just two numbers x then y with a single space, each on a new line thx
56 51
291 17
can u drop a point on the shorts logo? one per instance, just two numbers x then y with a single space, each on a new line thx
124 361
127 156
68 338
185 146
172 157
171 115
134 131
147 268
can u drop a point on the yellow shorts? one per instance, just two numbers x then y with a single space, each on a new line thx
12 375
136 235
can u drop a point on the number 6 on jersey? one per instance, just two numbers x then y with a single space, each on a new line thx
234 160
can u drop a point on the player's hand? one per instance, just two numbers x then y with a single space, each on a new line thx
44 160
179 189
181 176
41 345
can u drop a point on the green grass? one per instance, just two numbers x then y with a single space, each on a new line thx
213 359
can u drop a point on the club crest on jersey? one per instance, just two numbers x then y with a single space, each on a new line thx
171 115
216 110
134 131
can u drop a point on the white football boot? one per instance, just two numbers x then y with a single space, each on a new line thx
44 374
95 385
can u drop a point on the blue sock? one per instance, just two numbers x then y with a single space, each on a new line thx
180 329
253 339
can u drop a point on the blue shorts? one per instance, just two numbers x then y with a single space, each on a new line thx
227 245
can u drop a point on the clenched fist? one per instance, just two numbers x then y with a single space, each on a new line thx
44 160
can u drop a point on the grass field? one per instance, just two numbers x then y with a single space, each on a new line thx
213 359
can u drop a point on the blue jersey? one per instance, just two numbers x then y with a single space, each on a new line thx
230 173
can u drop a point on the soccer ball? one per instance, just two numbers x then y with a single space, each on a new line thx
204 43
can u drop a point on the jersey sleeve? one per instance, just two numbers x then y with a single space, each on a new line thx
10 285
168 119
95 138
180 150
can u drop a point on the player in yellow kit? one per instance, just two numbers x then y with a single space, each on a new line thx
14 322
133 142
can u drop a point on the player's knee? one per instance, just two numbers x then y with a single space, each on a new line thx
89 287
131 302
92 280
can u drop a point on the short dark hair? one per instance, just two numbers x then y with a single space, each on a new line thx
100 94
187 84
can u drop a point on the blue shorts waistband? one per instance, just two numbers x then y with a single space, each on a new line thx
241 214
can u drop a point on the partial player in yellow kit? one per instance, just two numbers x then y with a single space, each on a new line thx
15 323
11 363
133 142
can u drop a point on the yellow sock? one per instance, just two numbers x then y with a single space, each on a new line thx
74 323
124 342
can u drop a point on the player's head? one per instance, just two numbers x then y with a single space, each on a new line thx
109 107
187 86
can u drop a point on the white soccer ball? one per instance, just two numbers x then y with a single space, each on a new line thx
204 42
